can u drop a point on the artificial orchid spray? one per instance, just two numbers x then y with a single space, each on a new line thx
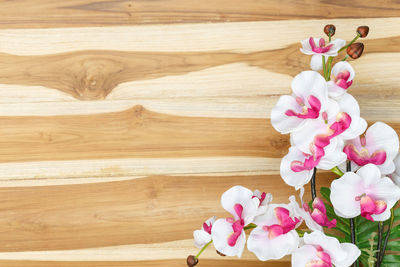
352 223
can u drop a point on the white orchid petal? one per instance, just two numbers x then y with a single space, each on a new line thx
295 179
235 195
370 174
304 255
353 252
300 212
201 238
269 249
334 90
382 136
316 62
308 83
280 121
220 233
343 193
330 245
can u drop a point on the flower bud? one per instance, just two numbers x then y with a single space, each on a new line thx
355 50
221 254
363 31
330 29
191 261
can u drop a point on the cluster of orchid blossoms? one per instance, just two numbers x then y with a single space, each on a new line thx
326 132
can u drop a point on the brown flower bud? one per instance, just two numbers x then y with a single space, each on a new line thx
363 31
330 29
221 254
191 261
355 50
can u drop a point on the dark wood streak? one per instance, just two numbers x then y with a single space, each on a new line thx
49 13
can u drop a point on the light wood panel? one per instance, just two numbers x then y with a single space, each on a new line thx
122 122
47 13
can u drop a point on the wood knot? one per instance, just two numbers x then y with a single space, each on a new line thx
95 78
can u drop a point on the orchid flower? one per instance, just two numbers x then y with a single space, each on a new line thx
318 48
275 235
264 200
364 192
341 120
378 146
203 236
304 214
342 76
228 234
309 100
297 167
320 250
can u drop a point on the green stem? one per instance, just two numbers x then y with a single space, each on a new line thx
379 245
345 57
337 171
328 69
382 252
323 66
351 42
202 249
250 226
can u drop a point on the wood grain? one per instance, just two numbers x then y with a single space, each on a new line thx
123 122
144 211
47 13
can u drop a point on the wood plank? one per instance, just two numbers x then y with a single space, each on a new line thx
47 13
139 211
161 263
136 132
239 37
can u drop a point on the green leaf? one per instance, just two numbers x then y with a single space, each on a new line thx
390 259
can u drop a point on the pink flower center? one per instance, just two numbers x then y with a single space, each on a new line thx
319 213
363 157
341 79
311 112
320 48
370 206
261 198
207 227
342 123
237 226
285 225
323 261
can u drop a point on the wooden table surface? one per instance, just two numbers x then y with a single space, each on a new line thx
122 122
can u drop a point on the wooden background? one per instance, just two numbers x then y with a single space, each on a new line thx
122 122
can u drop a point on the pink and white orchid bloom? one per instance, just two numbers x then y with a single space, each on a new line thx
320 250
340 121
305 215
263 200
342 76
378 146
228 234
365 192
309 100
297 167
203 236
275 235
318 48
